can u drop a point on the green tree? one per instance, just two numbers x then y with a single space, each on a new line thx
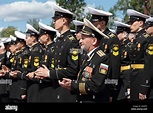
138 5
6 32
143 6
148 7
34 23
75 6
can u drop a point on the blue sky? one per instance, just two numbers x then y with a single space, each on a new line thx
17 12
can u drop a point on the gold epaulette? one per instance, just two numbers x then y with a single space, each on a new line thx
111 35
100 53
35 49
146 35
71 37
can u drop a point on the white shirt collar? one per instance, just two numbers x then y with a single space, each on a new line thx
89 54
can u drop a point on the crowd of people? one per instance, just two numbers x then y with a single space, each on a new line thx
91 65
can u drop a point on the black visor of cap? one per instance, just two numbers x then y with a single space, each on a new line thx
121 29
42 32
148 24
19 40
31 32
90 32
12 42
79 28
135 18
61 14
95 18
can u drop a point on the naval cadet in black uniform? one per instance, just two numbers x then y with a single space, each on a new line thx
10 65
35 57
110 46
46 37
146 88
66 58
19 86
6 60
90 85
3 83
122 32
137 51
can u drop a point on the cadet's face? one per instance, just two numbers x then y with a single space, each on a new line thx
135 26
58 23
86 42
149 30
43 39
121 35
12 48
2 49
28 40
7 47
19 45
97 24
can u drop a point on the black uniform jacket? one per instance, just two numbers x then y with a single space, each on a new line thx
91 84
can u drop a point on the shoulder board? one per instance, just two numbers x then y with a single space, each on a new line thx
71 37
35 49
111 35
19 55
100 53
25 52
146 35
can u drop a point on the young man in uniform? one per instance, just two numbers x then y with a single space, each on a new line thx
146 88
66 58
137 51
46 37
122 32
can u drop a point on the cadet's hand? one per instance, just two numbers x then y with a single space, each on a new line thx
42 72
66 83
14 73
2 73
5 68
128 93
23 96
142 96
30 75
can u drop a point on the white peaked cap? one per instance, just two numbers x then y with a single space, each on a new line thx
20 35
60 9
1 44
6 40
121 24
12 38
132 12
77 23
150 19
46 27
98 12
31 28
